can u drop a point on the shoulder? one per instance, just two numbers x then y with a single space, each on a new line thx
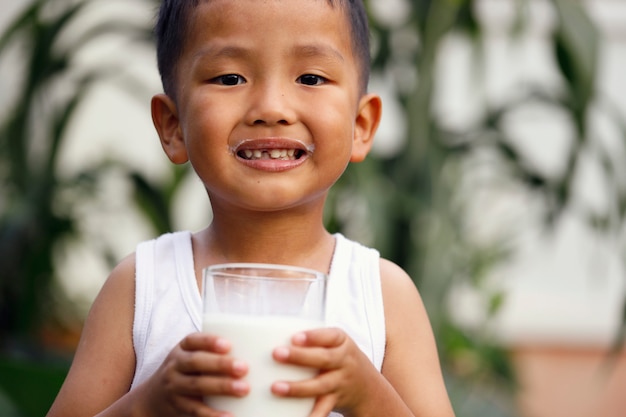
403 305
395 281
115 299
121 278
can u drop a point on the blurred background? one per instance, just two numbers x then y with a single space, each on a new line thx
497 181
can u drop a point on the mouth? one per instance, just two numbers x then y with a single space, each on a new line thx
276 149
278 154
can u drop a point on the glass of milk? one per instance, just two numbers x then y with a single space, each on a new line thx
259 307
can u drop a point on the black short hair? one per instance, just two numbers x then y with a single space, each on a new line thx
174 18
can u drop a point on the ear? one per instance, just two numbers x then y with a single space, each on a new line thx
167 124
367 120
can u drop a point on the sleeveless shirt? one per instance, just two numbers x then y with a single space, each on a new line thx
168 304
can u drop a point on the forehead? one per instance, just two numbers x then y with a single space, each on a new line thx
296 20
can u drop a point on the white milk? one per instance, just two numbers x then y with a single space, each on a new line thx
253 340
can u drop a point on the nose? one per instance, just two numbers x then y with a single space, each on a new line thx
269 104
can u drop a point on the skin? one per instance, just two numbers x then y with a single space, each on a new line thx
262 76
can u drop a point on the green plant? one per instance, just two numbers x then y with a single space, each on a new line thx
31 134
36 200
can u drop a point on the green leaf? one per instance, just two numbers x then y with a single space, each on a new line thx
576 47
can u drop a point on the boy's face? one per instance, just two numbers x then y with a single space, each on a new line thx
268 107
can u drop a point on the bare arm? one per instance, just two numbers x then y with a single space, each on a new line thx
103 368
410 384
104 363
411 362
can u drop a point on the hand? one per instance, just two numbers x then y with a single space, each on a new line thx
198 366
345 372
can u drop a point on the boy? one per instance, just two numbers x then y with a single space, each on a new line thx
267 101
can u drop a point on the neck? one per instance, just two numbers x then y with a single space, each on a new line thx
290 237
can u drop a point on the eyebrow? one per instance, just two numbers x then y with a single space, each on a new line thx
225 51
318 50
301 51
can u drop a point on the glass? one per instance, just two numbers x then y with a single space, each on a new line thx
259 307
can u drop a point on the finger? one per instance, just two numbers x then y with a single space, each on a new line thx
202 385
206 342
311 357
321 384
199 362
322 337
323 406
195 406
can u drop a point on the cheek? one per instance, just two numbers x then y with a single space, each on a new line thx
205 123
206 140
336 125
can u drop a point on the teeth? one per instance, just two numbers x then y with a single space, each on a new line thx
280 154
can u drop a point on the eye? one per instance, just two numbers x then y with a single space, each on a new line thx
228 79
311 79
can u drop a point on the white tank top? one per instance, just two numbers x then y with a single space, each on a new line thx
168 305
